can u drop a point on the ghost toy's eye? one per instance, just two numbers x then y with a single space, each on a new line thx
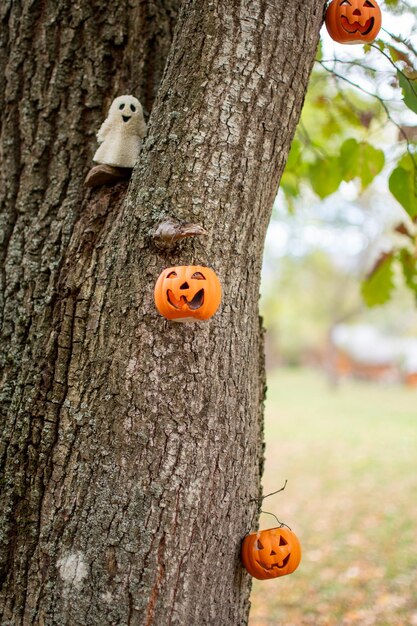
121 107
132 108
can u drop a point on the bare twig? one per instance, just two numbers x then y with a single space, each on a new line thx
410 82
406 42
269 494
382 103
274 492
350 62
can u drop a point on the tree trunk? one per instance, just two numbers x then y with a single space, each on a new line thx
132 446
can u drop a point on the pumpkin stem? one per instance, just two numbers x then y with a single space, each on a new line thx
170 231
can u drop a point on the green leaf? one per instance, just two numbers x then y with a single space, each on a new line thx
294 155
376 288
290 181
290 185
399 55
409 266
332 126
319 53
360 160
409 88
403 186
347 110
325 176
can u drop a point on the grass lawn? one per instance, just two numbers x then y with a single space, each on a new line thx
350 457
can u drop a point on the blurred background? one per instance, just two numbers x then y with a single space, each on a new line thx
339 301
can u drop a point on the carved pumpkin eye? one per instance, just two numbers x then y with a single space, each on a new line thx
368 4
172 275
259 545
198 276
282 541
345 2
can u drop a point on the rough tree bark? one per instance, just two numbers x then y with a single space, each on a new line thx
131 446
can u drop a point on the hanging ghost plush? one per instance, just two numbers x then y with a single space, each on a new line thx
121 133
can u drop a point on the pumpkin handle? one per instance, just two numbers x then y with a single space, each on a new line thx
280 524
260 500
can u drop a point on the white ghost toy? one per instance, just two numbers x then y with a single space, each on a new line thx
121 133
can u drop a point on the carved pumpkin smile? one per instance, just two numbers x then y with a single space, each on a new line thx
356 27
269 567
195 303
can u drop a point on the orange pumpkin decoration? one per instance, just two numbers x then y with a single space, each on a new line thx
188 293
271 553
353 21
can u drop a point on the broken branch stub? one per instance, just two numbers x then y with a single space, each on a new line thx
169 232
106 175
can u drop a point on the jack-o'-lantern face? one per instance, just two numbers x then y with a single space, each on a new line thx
353 21
187 293
271 553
